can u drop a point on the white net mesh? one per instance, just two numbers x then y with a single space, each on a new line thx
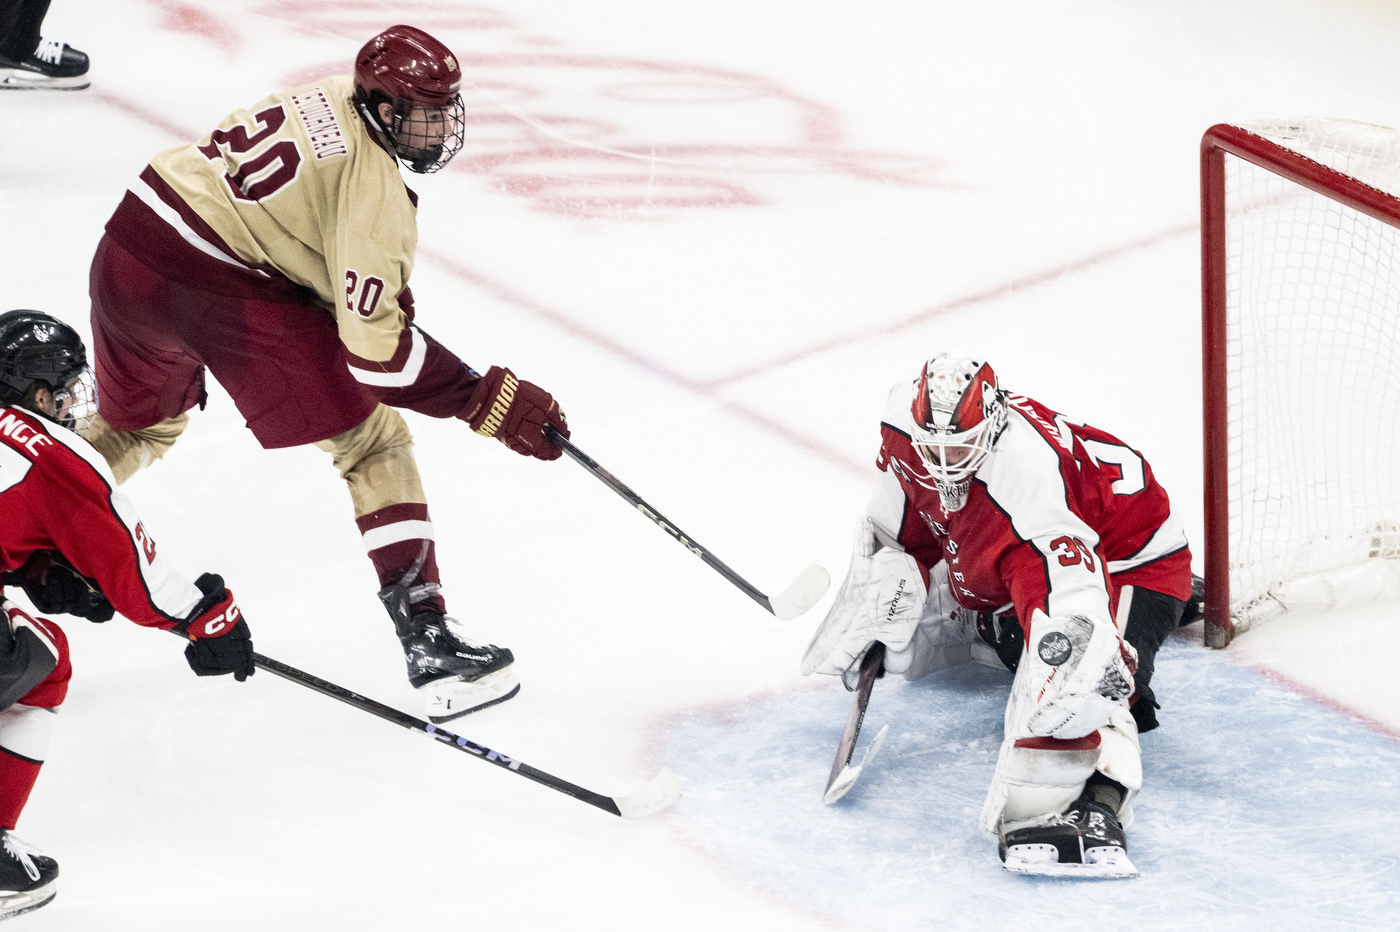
1313 366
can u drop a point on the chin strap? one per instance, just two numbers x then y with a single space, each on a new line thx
377 132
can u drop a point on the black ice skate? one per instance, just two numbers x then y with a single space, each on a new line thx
1086 841
26 877
456 676
53 66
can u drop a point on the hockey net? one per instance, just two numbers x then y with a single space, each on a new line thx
1301 337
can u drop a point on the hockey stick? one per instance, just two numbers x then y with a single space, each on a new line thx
804 592
843 775
663 789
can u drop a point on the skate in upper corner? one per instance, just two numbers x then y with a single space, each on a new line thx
30 62
246 253
996 518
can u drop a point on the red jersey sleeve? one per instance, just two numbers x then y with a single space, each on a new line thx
66 500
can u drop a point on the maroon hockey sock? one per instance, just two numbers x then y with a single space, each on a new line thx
400 544
17 776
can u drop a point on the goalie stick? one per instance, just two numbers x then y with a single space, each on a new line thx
663 789
843 775
802 594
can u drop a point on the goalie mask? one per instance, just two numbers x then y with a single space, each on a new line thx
958 412
420 79
39 350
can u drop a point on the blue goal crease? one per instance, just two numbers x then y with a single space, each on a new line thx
1258 805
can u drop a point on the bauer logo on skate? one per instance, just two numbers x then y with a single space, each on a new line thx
12 427
1054 649
499 407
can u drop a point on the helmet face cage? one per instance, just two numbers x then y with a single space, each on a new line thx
38 349
958 413
76 400
427 137
420 79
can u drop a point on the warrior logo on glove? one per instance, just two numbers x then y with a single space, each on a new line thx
515 413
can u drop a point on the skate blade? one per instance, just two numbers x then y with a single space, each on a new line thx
453 698
849 775
662 791
15 79
16 904
1043 860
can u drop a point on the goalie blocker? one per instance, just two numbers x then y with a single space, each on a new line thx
1000 526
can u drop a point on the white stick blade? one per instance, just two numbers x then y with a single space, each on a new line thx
664 789
849 775
805 592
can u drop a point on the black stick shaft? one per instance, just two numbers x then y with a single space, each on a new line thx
872 666
612 482
390 714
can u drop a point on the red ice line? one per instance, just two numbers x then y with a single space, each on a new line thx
710 390
1326 701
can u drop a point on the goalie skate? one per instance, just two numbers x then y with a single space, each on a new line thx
1086 841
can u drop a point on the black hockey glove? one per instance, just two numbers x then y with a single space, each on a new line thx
220 641
56 588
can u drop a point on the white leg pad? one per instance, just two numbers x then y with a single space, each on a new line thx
1032 783
1120 758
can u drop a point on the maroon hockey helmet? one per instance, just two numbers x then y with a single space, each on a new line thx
421 80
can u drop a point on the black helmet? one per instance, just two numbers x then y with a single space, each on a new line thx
37 347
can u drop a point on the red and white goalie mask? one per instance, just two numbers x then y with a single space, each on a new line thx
958 412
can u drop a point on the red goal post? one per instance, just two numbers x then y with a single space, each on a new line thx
1317 238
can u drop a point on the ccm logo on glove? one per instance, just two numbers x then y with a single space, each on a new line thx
213 625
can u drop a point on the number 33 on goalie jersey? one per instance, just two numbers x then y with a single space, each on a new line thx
1059 517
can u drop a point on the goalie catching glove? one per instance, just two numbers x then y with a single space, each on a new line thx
881 600
219 638
1081 673
515 413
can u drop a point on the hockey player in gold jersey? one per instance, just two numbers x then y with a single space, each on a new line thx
276 252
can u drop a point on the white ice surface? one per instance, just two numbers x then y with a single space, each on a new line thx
717 231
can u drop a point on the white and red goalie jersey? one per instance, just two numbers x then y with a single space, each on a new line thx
57 493
1059 517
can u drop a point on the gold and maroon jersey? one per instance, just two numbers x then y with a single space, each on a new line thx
1058 517
295 187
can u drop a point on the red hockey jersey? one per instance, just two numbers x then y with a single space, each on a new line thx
1059 516
56 493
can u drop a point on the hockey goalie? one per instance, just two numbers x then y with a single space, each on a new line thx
997 519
